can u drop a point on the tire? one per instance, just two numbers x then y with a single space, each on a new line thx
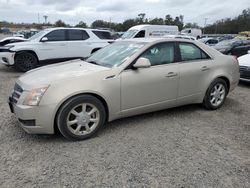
25 61
216 94
74 120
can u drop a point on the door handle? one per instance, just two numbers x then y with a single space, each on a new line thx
171 74
205 68
63 44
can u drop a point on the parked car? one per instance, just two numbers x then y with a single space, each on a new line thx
236 47
145 31
123 79
209 41
9 40
54 45
244 62
197 33
180 37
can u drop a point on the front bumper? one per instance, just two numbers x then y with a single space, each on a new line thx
245 74
34 119
7 58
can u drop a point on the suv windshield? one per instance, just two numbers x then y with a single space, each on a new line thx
129 34
115 54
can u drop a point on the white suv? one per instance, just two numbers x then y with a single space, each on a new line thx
54 45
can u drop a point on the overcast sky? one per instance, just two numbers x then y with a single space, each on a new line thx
73 11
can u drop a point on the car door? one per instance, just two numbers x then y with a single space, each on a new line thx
241 49
195 68
78 42
152 88
55 47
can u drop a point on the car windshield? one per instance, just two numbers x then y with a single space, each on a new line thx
38 35
129 34
115 54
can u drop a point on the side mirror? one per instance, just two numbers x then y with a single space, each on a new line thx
44 39
142 63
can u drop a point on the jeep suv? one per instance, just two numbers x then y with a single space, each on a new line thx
54 45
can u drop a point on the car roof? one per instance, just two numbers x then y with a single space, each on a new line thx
57 28
156 39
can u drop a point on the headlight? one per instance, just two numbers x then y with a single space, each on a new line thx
34 96
5 48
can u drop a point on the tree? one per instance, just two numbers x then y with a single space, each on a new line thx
100 24
81 24
231 26
191 25
141 17
179 21
168 20
60 23
157 21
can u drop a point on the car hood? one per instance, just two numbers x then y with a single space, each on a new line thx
54 73
23 43
244 60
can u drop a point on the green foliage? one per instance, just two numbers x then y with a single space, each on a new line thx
231 26
81 24
60 23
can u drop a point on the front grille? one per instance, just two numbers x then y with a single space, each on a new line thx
16 93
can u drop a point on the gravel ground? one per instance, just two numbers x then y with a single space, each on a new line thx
181 147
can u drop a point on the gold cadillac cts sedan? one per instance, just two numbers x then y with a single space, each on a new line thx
126 78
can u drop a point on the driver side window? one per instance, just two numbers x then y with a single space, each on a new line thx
160 54
56 35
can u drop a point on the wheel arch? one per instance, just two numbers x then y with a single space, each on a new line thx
28 51
226 79
99 97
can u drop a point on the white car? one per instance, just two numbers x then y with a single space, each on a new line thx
54 45
244 62
197 33
9 40
209 41
150 31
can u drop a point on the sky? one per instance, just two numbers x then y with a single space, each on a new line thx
74 11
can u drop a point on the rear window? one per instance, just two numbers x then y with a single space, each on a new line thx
103 34
77 35
191 52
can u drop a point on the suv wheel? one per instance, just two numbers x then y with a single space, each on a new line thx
25 61
216 94
81 117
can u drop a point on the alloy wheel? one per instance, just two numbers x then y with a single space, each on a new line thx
217 94
83 119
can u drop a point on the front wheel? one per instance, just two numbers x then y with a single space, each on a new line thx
81 117
216 94
25 61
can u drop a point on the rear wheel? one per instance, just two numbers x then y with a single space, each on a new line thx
81 117
25 61
216 94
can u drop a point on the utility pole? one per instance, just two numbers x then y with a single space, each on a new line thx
38 17
110 23
205 23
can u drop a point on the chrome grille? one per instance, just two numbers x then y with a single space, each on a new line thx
16 93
